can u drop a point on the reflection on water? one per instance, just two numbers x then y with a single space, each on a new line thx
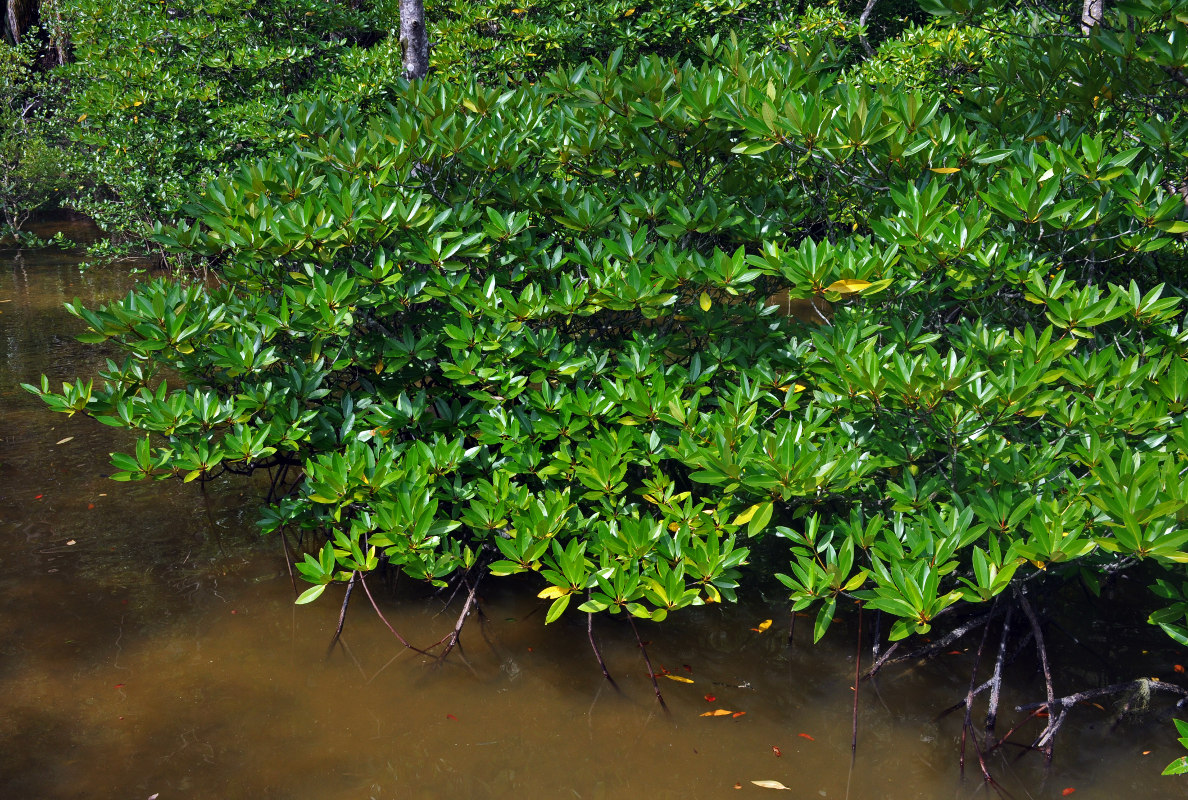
149 646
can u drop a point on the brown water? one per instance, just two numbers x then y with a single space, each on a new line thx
149 646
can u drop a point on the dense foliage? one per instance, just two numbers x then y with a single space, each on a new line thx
904 330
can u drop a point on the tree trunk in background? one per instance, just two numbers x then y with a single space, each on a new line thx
1091 15
18 17
414 39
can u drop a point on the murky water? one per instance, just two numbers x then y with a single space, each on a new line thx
149 646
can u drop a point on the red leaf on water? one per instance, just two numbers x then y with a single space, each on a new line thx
118 686
90 506
709 698
737 714
451 716
1178 667
806 736
1066 792
776 750
687 667
233 611
953 653
38 497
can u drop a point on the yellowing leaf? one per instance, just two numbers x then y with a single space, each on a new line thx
945 170
717 712
137 103
770 785
848 286
705 302
84 116
679 678
64 441
629 12
764 625
552 592
745 517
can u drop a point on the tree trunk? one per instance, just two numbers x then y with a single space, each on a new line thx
1091 15
414 39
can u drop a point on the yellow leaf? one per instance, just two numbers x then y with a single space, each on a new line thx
745 517
800 387
84 116
629 12
519 11
848 286
64 441
676 164
764 625
552 592
137 103
705 302
717 712
379 367
945 170
770 785
679 678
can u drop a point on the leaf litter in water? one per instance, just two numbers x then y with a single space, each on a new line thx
771 785
678 678
763 626
717 712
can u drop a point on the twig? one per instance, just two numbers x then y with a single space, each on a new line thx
648 664
384 619
342 614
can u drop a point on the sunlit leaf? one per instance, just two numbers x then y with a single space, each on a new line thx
762 626
679 678
717 712
310 594
745 517
848 286
945 170
705 302
552 593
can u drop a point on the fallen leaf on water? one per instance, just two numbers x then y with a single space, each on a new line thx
118 686
709 698
738 714
71 541
1067 791
1178 667
738 786
764 625
680 678
687 667
64 441
776 750
1146 752
717 712
770 785
953 653
806 736
38 497
90 506
451 716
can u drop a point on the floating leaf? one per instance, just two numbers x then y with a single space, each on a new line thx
806 736
763 626
451 716
770 785
945 170
848 286
705 302
717 712
738 714
552 593
64 441
71 542
776 750
679 678
1065 792
709 698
